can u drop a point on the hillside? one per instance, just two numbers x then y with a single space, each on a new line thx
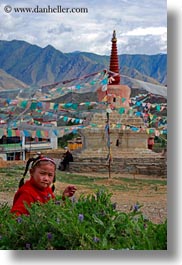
9 82
37 66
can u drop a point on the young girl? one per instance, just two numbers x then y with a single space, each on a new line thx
37 188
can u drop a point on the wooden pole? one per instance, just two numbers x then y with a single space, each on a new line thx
109 144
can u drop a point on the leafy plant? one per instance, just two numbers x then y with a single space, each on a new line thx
91 223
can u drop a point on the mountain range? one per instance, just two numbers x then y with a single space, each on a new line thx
23 64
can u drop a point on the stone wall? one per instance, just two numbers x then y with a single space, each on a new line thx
144 166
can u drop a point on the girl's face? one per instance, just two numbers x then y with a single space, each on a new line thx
43 174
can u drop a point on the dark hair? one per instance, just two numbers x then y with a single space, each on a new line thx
34 161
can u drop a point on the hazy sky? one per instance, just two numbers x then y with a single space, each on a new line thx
141 25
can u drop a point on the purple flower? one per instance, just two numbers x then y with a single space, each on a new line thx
136 207
49 235
19 220
73 199
28 246
95 239
114 205
99 193
80 217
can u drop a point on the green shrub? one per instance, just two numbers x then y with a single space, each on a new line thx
91 223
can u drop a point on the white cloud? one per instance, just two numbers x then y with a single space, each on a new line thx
147 31
92 31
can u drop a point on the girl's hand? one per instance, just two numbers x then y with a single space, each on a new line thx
69 191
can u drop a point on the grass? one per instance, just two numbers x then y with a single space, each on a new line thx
76 178
10 177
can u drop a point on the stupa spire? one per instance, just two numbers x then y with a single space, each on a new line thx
114 62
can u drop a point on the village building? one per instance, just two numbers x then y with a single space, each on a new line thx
19 147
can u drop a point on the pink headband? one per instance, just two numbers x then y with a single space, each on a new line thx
43 159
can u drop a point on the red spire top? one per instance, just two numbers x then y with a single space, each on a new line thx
114 63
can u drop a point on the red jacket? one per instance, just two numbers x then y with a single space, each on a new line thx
29 194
